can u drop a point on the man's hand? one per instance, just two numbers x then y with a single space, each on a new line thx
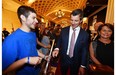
81 71
55 53
47 58
34 60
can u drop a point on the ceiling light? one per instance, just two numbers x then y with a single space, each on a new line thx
59 14
31 1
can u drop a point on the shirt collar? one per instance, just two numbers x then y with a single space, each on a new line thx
77 28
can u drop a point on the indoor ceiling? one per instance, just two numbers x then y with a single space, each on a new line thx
48 8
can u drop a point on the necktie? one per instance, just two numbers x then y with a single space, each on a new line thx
72 44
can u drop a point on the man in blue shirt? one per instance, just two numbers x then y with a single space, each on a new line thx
19 51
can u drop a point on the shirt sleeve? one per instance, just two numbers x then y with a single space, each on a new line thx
9 52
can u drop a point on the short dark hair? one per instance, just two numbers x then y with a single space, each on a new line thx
77 12
24 10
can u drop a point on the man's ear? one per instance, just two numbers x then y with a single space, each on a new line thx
23 18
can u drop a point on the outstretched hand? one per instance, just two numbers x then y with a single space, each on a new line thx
47 58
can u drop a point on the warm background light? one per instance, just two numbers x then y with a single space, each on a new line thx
30 1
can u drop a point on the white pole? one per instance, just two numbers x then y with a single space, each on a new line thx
46 67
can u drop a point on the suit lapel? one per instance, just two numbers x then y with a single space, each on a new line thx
67 36
79 37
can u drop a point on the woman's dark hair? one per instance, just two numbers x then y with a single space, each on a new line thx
77 12
109 26
44 32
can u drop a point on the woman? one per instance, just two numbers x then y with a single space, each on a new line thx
103 52
46 41
39 34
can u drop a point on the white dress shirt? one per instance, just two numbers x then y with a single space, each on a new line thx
77 29
70 34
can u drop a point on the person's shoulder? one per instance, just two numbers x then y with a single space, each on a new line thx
84 32
65 28
16 32
33 33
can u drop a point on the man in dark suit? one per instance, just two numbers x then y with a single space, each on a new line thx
76 62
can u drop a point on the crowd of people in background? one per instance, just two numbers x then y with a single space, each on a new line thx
99 49
5 33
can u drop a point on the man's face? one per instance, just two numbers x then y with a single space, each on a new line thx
75 21
31 20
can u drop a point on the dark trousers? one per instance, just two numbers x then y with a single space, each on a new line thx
72 66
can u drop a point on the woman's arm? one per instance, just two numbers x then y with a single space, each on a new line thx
92 54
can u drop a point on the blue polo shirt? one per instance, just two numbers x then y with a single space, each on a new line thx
19 45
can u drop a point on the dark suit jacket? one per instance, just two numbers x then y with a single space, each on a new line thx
80 49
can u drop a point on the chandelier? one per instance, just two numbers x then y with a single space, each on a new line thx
59 14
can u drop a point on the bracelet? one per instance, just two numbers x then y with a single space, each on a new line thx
28 60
